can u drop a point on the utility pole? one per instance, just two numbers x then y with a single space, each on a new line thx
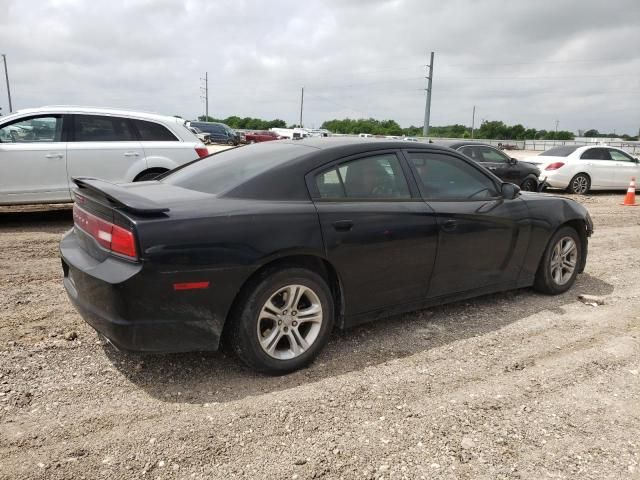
6 76
557 122
205 90
473 120
427 107
301 105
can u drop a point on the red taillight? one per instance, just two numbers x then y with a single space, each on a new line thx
554 166
202 151
112 237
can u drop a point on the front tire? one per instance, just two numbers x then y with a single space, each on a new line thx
283 320
560 262
529 185
580 184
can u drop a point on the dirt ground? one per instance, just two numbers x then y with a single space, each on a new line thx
515 385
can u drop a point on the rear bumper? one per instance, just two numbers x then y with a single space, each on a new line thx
134 310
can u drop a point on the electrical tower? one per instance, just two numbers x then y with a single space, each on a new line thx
205 95
427 107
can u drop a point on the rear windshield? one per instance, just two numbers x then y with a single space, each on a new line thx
564 151
223 171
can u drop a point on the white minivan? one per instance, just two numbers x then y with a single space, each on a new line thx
41 149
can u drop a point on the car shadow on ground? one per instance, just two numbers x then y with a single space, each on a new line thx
36 217
216 377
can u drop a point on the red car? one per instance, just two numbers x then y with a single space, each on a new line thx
261 136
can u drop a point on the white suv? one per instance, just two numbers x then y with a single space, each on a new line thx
42 148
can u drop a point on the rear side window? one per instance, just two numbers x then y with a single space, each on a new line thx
376 177
153 132
44 129
97 128
444 177
226 170
596 154
563 151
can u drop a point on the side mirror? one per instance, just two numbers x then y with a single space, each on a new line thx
513 161
510 191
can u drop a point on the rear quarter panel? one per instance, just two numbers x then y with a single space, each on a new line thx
225 242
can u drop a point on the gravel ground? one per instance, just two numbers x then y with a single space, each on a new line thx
515 385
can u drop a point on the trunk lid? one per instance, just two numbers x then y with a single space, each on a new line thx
107 216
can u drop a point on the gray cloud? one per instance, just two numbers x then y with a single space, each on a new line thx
526 62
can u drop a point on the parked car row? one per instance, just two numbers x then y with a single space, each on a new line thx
218 132
261 136
42 149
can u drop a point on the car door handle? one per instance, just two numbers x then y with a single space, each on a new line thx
343 225
131 154
53 155
450 225
492 168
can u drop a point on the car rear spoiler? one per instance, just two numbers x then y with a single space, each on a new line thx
119 196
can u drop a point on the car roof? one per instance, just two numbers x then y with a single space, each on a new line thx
95 110
313 153
459 143
198 122
355 144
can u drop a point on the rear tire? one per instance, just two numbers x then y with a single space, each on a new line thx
560 262
580 184
294 334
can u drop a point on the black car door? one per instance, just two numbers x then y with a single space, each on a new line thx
482 236
500 164
379 234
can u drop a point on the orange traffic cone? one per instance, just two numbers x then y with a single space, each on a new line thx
630 197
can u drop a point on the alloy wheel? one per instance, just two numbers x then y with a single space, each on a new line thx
563 260
289 322
580 184
529 185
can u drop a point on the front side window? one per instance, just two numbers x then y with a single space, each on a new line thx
153 132
375 177
44 129
97 128
444 177
596 154
489 155
619 156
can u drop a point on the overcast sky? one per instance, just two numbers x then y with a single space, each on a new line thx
533 62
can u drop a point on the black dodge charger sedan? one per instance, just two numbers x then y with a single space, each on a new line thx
508 169
269 246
